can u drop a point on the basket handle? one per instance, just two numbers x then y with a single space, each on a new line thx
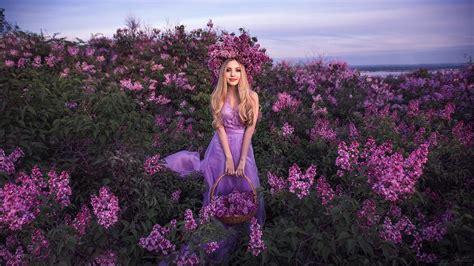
246 178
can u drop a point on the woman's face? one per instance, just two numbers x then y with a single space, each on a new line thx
232 73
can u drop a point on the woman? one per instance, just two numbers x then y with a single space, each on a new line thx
235 109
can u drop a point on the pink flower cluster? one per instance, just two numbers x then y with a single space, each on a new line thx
207 212
277 184
157 241
431 232
19 203
367 216
36 61
157 67
317 110
160 100
90 51
395 211
179 80
325 191
285 100
7 163
39 245
463 133
59 187
448 111
106 207
51 60
153 165
109 258
300 184
321 129
161 120
84 67
211 247
413 108
390 176
187 259
18 258
130 85
72 50
189 222
175 195
21 62
241 48
82 220
393 232
9 63
256 244
419 136
234 204
347 158
412 170
287 130
70 105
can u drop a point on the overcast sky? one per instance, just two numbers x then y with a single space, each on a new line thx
359 32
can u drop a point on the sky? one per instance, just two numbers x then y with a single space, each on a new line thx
360 32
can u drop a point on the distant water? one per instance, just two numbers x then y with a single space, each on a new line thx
382 73
385 70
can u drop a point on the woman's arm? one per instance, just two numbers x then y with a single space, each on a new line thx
248 136
229 168
224 141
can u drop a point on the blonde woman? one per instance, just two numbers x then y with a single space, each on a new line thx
234 108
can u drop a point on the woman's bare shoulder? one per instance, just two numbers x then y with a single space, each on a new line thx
254 95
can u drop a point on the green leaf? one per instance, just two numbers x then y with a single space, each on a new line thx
365 246
342 235
350 245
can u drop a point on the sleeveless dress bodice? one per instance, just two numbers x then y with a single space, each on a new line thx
230 117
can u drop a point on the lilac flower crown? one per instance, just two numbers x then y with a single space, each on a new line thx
242 48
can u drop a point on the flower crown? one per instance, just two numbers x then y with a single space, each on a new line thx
242 48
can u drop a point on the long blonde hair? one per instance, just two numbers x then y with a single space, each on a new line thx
219 96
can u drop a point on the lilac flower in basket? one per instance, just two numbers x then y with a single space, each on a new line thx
236 207
236 203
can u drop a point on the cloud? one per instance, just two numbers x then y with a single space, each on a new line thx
285 29
364 31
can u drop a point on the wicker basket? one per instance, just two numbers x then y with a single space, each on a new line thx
236 219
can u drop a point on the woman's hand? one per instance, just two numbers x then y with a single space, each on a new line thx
240 169
229 166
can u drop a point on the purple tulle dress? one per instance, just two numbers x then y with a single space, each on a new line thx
212 166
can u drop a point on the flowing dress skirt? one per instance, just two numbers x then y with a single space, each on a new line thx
212 166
